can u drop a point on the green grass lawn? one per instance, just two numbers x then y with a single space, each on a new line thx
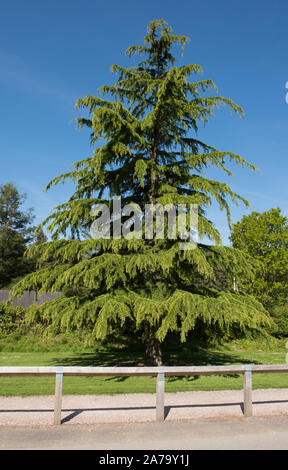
23 386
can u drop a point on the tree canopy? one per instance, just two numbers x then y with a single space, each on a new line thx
265 237
16 232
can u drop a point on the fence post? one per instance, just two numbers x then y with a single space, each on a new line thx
58 395
248 391
160 394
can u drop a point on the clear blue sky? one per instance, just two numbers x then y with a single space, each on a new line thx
52 53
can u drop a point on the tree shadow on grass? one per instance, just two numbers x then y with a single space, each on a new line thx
205 358
114 358
127 357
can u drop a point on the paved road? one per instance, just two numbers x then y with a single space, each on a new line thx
270 433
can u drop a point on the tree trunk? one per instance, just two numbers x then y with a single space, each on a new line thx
153 351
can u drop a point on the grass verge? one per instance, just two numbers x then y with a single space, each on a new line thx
230 354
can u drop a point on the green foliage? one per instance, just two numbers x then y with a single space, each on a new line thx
16 233
11 217
12 249
11 318
40 237
150 154
279 314
265 237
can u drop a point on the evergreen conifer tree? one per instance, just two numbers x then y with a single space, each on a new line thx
144 129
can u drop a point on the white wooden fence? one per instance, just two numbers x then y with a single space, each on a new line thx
159 372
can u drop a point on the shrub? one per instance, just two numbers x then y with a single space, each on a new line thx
11 318
279 314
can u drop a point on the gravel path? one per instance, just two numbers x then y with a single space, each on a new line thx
96 409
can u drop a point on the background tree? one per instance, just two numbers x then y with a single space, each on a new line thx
264 236
39 237
16 232
148 123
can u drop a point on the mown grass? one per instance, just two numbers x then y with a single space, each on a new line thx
62 354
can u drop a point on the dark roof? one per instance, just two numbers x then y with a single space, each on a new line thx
28 298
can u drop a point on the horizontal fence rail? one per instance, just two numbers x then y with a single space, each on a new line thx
160 372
